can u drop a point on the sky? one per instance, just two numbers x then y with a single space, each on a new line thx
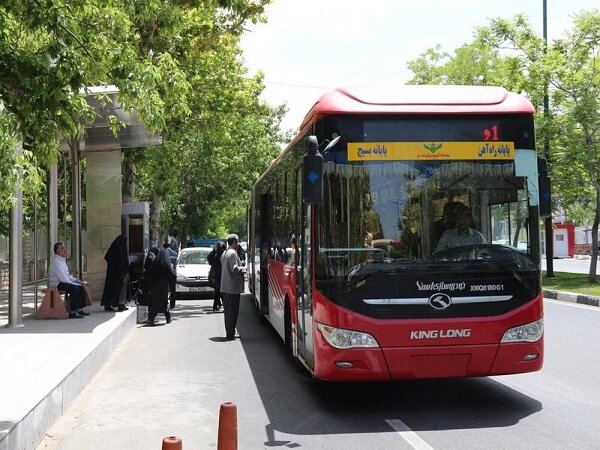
309 47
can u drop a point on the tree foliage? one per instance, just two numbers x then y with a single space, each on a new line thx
202 172
50 51
176 62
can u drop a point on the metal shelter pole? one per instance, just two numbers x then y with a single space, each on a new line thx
76 204
35 255
52 210
548 221
15 268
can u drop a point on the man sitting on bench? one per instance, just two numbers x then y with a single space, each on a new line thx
59 277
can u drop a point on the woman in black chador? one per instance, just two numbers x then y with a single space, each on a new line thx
117 274
146 277
214 277
161 275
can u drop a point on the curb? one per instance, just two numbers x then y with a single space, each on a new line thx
572 297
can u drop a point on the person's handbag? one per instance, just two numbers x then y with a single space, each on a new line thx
212 278
88 299
142 313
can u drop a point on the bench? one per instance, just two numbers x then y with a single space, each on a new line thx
53 306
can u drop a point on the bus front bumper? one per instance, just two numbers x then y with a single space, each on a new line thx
401 363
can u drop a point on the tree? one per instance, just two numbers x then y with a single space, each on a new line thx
573 68
50 51
191 175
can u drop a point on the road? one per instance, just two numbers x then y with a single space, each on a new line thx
573 265
171 379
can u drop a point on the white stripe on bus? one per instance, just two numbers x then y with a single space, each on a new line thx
425 300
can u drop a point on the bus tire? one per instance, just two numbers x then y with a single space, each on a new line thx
288 340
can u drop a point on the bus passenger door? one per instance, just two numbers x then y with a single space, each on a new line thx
265 234
303 294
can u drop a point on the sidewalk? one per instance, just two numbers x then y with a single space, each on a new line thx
46 364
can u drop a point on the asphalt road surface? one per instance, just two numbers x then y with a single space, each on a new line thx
171 380
572 265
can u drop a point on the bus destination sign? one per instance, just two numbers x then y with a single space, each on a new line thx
411 151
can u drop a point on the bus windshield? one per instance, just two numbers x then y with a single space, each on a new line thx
408 210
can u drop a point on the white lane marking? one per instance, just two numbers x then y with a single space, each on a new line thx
572 304
408 435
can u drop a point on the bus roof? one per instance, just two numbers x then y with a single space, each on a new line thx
419 99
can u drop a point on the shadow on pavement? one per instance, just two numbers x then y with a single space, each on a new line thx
298 404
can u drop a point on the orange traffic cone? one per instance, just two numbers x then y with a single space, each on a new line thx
172 443
227 427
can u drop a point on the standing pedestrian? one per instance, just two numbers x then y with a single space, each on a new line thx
174 243
172 254
147 277
214 275
162 274
116 283
232 285
241 253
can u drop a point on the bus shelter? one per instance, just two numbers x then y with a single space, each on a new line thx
101 149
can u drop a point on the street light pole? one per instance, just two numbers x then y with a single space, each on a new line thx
548 220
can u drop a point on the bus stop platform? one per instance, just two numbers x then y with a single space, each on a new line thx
45 364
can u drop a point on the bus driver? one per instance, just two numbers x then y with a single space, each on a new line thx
461 234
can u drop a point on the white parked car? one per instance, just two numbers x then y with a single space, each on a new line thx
192 270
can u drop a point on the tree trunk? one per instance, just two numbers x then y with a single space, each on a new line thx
129 173
591 170
155 219
594 261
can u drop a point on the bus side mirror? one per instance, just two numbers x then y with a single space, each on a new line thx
544 189
312 171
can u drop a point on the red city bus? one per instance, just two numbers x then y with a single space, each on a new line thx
406 244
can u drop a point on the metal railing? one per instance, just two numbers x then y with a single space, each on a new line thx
29 294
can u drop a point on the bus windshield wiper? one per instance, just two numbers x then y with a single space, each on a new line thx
377 269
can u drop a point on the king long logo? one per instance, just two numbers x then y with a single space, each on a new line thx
440 301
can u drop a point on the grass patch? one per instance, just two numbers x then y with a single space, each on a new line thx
571 282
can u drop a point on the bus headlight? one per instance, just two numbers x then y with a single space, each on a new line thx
345 339
530 332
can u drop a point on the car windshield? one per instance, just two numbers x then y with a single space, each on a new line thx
194 257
